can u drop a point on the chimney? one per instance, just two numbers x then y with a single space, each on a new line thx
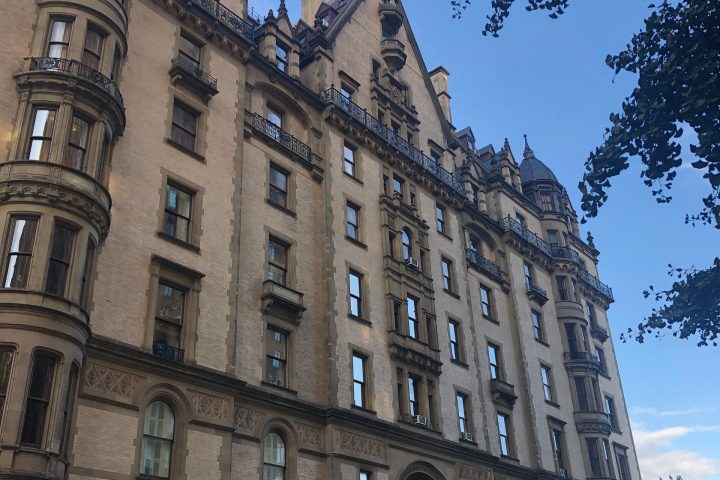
308 10
439 78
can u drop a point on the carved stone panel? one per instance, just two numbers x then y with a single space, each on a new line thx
310 435
110 382
359 445
210 406
245 420
468 472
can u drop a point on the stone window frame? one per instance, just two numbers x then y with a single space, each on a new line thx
551 384
619 450
510 431
192 38
71 267
47 29
92 25
163 269
197 193
559 425
428 386
492 317
365 307
70 405
291 276
563 289
460 340
11 350
615 426
469 411
361 230
289 436
442 211
357 160
290 331
453 286
201 127
539 331
291 204
21 215
50 414
369 405
501 373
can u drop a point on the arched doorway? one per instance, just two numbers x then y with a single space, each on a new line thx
421 471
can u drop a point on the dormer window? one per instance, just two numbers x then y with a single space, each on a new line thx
281 56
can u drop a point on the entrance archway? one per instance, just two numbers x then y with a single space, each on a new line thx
421 471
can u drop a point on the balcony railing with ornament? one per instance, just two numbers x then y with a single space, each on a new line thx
510 225
476 260
599 287
276 134
226 17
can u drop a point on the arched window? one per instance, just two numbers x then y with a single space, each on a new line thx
158 434
274 457
406 245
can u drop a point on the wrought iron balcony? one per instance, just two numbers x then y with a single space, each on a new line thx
226 17
599 287
167 352
193 76
564 253
537 294
503 392
427 164
484 265
277 135
73 67
582 361
512 226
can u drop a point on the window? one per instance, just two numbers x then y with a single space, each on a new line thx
454 328
414 394
346 91
528 269
612 413
59 38
406 244
461 401
547 384
607 458
504 433
475 196
475 245
276 348
349 160
485 299
572 339
494 360
6 358
353 221
38 399
115 70
189 50
277 261
446 266
553 238
520 219
158 435
68 408
92 51
591 314
19 251
547 201
413 329
562 288
178 211
274 117
77 144
594 457
61 248
574 286
537 326
556 437
397 184
359 389
281 56
582 394
169 319
364 475
622 462
184 126
355 285
41 135
278 189
274 457
440 219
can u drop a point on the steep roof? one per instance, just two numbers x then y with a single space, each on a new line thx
532 169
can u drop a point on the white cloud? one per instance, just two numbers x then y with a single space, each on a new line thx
669 413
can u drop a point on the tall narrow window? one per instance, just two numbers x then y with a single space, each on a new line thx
6 358
612 413
77 144
591 314
19 251
92 51
521 219
556 436
413 329
504 433
537 325
189 50
59 38
274 117
184 126
454 327
274 457
553 238
281 55
115 70
475 196
353 221
364 475
169 319
547 384
528 275
572 339
359 388
406 244
355 286
158 436
278 188
41 135
277 261
276 350
547 201
461 400
349 160
178 211
38 399
61 248
582 394
593 457
622 463
601 358
447 274
398 184
562 288
607 458
68 406
485 299
494 360
414 394
474 245
440 219
574 287
88 269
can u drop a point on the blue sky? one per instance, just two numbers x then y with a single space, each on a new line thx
548 79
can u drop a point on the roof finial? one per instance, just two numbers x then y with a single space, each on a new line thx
528 153
506 145
282 10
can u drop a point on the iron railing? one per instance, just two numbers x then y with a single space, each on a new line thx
535 290
74 67
187 65
583 357
273 132
429 165
225 16
596 284
513 226
564 253
167 352
478 261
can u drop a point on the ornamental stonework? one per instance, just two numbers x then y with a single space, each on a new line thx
310 435
110 381
468 472
245 420
360 445
210 406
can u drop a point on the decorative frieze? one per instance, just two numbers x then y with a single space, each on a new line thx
468 472
245 420
210 406
361 445
110 381
309 435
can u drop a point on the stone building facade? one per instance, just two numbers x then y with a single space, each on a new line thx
238 248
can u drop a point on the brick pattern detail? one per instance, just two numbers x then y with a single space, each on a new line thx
246 420
109 380
310 435
360 445
468 472
210 406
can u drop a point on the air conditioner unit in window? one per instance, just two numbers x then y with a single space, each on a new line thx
412 262
467 436
563 473
420 420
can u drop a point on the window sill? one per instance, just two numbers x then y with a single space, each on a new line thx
185 150
552 404
364 410
604 374
279 387
451 293
353 178
462 440
616 430
491 320
542 342
509 458
445 235
356 242
459 363
282 208
359 319
178 242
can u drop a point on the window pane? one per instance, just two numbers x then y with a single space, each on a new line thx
159 421
278 179
93 48
60 254
184 117
274 117
274 450
170 303
77 143
59 39
156 457
21 242
358 368
41 383
189 49
273 473
41 136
